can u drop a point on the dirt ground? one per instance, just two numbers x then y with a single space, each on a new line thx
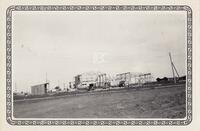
154 103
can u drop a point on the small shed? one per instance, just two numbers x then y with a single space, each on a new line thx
39 89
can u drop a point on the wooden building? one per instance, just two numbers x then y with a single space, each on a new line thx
40 89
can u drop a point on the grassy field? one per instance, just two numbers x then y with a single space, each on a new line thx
152 103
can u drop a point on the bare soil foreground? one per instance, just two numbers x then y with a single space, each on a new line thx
148 103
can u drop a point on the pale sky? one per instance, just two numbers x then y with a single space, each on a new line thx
65 44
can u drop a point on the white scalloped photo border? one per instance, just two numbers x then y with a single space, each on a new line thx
119 122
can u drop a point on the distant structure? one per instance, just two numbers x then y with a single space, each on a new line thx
40 89
77 81
86 80
102 81
130 78
123 78
90 80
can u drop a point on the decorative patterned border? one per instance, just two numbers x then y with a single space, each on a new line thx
97 8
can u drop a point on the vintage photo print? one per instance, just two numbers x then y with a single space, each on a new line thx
109 65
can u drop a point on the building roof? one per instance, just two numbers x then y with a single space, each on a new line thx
40 84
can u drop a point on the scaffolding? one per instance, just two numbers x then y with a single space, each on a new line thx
134 78
102 81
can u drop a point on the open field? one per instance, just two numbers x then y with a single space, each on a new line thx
150 103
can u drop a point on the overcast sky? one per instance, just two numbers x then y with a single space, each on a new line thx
64 44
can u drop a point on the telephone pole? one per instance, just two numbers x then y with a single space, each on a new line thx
173 68
16 87
46 78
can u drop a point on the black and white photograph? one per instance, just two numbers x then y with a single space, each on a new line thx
99 64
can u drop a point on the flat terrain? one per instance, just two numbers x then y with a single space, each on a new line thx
150 103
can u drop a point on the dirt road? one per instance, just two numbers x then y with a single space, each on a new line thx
155 103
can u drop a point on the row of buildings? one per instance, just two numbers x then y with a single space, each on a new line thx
103 80
91 80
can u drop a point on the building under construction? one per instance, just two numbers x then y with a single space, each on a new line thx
85 80
102 81
90 80
130 78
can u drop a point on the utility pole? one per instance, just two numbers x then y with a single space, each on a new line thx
47 81
46 78
16 87
58 83
173 68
